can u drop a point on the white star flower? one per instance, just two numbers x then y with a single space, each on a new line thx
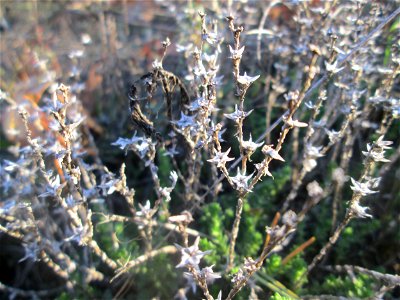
269 151
144 210
332 68
236 54
192 255
221 158
185 121
241 181
361 188
360 211
247 80
238 114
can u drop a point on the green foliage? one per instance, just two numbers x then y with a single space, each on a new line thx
212 222
277 296
360 286
121 250
250 239
392 33
164 167
268 189
157 278
291 274
354 237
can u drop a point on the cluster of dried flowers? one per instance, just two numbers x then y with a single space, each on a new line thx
50 189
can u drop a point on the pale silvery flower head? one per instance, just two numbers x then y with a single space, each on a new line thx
361 188
314 190
247 80
183 48
241 181
144 210
377 156
238 114
359 211
339 176
76 53
373 183
54 188
269 151
171 151
313 152
383 144
250 264
210 37
236 54
166 191
332 135
292 96
251 146
31 251
142 148
238 277
211 59
294 123
332 68
127 144
275 231
80 234
192 255
310 105
289 218
221 158
208 274
185 121
264 168
109 187
191 283
198 103
157 64
376 151
309 164
218 127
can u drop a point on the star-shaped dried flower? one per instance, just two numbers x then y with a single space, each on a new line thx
359 211
208 274
126 144
166 191
192 255
185 121
144 210
236 54
289 218
313 152
361 188
247 80
294 123
241 181
332 68
54 188
269 151
250 147
383 144
264 168
238 114
221 158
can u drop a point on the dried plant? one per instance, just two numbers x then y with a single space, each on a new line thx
327 73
